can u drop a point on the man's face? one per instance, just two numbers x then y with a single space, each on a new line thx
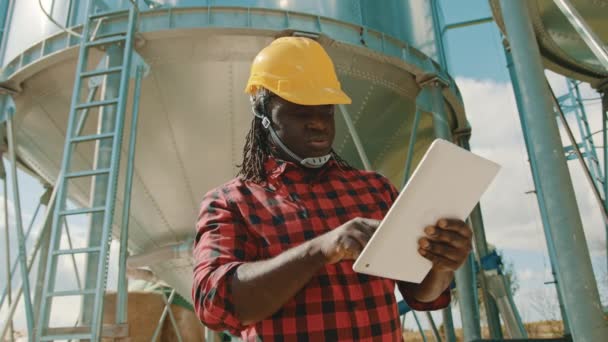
307 130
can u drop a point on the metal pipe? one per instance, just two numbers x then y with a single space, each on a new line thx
436 23
163 316
605 144
356 140
466 23
37 245
5 29
581 299
540 195
448 324
46 240
172 319
412 143
7 248
481 250
593 42
419 326
465 276
433 326
25 281
45 230
468 299
122 298
16 263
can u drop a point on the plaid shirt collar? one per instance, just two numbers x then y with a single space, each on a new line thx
277 168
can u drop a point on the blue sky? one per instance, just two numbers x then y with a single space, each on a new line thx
476 61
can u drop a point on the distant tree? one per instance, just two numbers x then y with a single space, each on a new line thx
508 269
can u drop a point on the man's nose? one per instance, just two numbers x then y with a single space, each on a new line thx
319 121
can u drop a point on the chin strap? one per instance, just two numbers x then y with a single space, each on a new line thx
313 163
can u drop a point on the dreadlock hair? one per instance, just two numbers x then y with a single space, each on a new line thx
258 147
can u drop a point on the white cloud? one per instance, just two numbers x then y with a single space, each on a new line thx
526 274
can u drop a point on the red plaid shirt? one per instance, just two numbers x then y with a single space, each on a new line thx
242 221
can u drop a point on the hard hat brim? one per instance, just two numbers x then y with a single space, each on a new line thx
310 97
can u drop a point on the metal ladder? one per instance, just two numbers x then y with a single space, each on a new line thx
103 176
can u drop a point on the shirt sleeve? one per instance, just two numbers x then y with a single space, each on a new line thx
222 243
439 303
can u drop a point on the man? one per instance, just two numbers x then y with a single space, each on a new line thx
274 247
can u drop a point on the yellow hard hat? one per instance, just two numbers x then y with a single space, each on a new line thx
298 70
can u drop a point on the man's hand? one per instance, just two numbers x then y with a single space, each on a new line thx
447 244
347 241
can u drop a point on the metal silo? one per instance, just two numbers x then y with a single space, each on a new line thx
193 58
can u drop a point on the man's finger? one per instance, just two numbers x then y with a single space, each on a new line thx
440 248
362 236
352 247
457 226
438 260
447 236
369 225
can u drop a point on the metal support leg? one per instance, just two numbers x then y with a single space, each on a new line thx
163 315
468 300
429 317
356 140
412 143
419 326
605 146
172 318
44 246
122 297
581 298
465 280
540 195
448 324
27 299
30 262
7 248
481 250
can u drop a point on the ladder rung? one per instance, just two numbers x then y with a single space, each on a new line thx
77 251
60 336
101 72
84 332
71 293
106 41
92 137
109 34
108 14
96 104
87 173
82 211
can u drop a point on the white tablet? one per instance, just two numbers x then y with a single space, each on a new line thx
447 183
